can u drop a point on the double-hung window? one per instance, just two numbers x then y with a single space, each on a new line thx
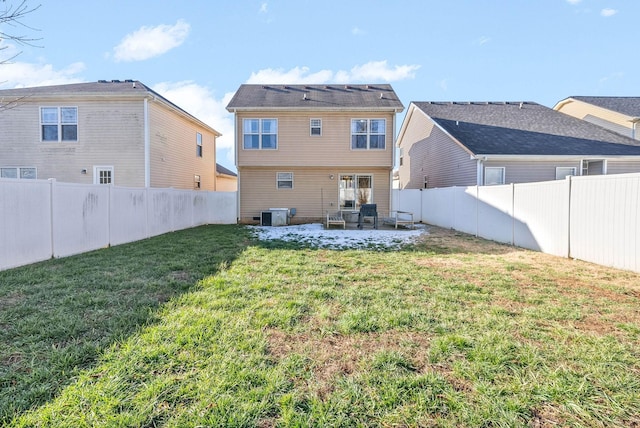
315 126
284 180
198 144
260 134
368 133
59 123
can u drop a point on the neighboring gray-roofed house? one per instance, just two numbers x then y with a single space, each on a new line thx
446 144
226 180
618 114
105 132
315 148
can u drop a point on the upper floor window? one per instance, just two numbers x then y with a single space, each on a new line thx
197 182
18 172
368 133
59 123
315 126
260 133
198 144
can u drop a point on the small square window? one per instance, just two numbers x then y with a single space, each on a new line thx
197 182
493 176
284 180
562 172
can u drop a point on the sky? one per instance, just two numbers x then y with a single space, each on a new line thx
197 53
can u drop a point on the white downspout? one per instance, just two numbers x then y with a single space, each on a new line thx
235 155
147 146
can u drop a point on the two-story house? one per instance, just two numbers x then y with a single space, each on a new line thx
445 144
315 148
618 114
106 132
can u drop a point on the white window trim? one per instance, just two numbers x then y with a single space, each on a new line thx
59 124
199 144
355 175
311 127
260 133
494 167
96 173
558 168
283 180
19 172
368 119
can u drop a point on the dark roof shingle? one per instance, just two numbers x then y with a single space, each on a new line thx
629 106
524 128
315 97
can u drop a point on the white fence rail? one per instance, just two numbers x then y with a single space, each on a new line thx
589 218
40 219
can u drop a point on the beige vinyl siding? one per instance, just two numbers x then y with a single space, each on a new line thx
608 119
531 171
296 147
623 166
429 151
110 133
173 150
313 193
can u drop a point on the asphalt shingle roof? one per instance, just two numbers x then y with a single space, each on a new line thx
99 88
527 128
315 97
629 106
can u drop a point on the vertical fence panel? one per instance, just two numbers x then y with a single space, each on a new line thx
182 205
80 218
541 213
604 220
465 215
495 216
222 208
438 206
408 200
25 222
159 211
128 215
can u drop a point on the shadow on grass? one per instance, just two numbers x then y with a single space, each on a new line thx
58 316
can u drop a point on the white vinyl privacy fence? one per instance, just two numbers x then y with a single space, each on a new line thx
40 219
592 218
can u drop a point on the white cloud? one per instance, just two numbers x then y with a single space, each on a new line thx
200 102
608 12
149 42
574 1
15 74
444 84
264 8
482 40
373 71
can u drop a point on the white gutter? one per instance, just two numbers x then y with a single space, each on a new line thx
147 146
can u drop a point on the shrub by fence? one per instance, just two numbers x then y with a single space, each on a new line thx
592 218
40 219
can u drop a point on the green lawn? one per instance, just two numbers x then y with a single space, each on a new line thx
210 327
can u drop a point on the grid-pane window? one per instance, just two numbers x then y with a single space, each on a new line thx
368 133
59 123
260 134
315 126
103 175
284 180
